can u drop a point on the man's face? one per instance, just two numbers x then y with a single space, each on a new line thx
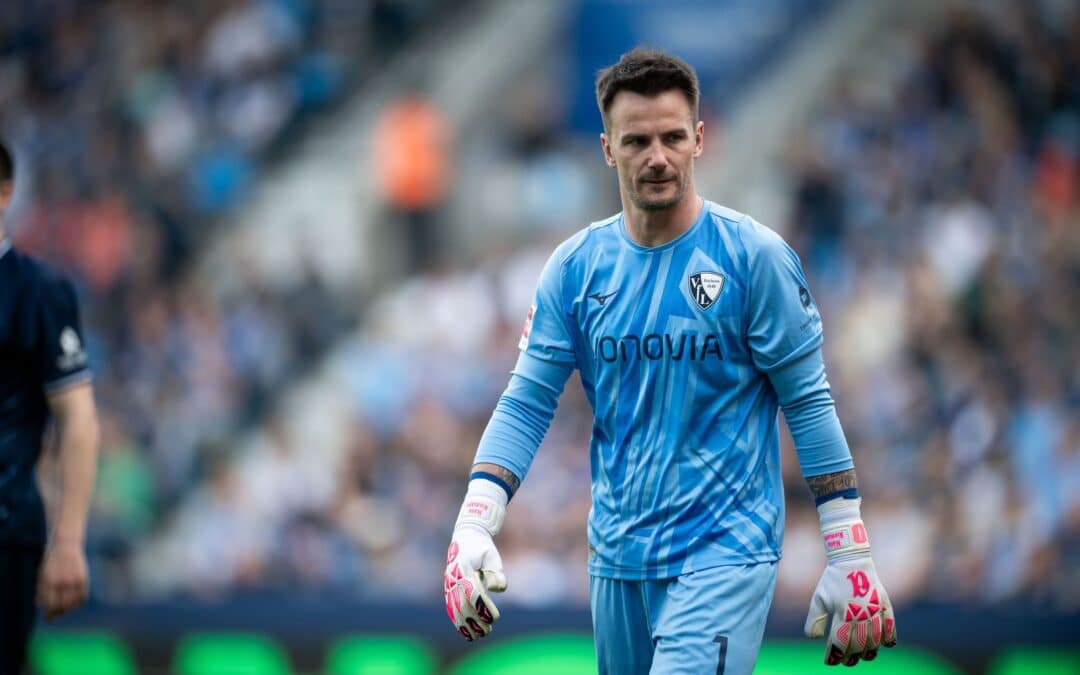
652 142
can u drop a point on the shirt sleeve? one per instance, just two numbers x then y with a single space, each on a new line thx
547 335
547 359
783 320
803 392
62 359
523 414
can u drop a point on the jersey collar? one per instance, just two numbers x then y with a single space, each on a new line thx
706 207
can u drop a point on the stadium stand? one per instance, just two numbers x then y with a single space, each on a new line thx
932 208
263 435
138 129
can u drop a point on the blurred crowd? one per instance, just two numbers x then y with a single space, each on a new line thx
939 222
138 127
937 218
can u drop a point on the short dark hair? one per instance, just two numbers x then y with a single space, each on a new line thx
7 164
648 72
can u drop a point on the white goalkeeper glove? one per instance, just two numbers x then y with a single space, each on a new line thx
473 565
849 590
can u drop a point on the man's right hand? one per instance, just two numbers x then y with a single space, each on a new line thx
473 564
64 581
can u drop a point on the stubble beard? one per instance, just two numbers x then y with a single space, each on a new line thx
646 204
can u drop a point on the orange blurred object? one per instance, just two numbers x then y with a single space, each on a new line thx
412 154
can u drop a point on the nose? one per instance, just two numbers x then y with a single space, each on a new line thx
656 159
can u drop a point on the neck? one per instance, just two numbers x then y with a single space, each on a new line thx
658 227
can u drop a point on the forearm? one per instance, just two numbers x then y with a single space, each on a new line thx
804 396
498 471
516 428
78 468
77 452
520 421
829 485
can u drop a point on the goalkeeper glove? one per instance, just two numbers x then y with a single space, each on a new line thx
473 565
849 590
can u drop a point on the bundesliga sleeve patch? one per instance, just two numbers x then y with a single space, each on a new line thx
807 302
524 341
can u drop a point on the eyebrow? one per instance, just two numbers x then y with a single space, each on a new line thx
628 137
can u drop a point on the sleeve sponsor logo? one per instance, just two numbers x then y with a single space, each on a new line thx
807 302
72 354
523 343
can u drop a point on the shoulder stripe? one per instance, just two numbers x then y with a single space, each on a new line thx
610 220
723 212
572 245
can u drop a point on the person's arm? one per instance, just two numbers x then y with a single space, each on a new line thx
64 579
65 380
849 590
785 335
506 450
513 435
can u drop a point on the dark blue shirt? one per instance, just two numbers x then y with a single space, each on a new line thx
41 352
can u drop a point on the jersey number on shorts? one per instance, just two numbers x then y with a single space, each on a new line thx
722 639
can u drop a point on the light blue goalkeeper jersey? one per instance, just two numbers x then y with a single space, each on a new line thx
675 345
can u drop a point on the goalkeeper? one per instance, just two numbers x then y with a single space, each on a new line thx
691 324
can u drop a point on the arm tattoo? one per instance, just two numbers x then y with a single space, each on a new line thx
829 483
504 474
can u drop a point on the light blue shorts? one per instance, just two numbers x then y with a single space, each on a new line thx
704 622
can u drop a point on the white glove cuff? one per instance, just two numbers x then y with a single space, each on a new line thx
484 506
842 529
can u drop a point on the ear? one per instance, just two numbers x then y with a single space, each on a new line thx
7 187
606 145
699 138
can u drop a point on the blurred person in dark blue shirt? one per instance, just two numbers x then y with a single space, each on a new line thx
43 375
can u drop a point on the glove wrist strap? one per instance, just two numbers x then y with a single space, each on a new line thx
484 507
842 531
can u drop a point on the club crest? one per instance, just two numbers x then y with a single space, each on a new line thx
705 288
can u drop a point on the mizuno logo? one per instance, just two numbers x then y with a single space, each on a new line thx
602 298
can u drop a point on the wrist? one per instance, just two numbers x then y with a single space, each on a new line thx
839 509
66 542
68 532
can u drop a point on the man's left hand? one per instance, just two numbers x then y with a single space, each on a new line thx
849 590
